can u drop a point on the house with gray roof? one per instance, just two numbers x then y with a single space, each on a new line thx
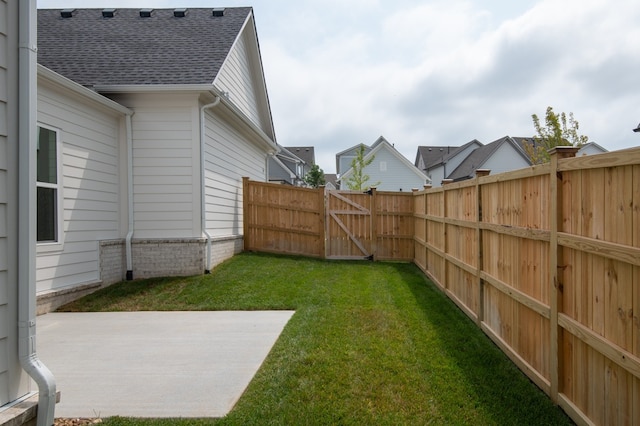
148 120
389 170
286 168
499 156
589 148
291 165
437 162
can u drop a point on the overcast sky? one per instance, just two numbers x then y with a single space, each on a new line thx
439 72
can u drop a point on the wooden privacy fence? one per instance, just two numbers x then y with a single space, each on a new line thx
329 224
546 260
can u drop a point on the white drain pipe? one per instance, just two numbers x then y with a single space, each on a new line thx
203 207
129 131
27 112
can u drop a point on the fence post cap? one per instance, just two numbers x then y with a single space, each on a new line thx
482 172
447 181
564 151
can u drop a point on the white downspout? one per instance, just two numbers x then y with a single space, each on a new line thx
27 112
203 207
128 125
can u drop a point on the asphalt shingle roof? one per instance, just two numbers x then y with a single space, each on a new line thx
478 157
130 50
305 153
433 154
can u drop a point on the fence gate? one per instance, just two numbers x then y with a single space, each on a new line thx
349 225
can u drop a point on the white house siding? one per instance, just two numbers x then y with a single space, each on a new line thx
229 156
345 158
165 165
391 173
90 135
589 149
241 78
437 175
505 159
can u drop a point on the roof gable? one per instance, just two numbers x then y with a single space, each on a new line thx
479 157
452 153
432 154
349 152
383 144
128 49
241 78
305 153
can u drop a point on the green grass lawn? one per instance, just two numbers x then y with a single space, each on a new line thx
369 344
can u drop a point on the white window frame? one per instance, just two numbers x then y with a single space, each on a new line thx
58 244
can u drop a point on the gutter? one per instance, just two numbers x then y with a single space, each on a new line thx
27 112
69 85
240 116
203 206
129 237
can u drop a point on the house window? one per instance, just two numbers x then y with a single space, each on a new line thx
47 186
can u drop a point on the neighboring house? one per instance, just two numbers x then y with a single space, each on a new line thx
344 158
331 181
307 154
439 167
498 156
389 170
155 116
291 165
428 155
286 168
589 148
23 377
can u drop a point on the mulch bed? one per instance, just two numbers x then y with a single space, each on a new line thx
76 422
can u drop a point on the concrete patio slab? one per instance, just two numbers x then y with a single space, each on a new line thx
155 364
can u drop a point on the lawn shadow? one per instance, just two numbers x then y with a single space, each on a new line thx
506 394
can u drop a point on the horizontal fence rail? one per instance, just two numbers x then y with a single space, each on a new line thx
545 260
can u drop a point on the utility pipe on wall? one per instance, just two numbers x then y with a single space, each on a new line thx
27 98
129 196
203 207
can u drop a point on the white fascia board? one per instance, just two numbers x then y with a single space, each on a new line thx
395 153
60 80
151 88
266 141
284 167
258 57
401 158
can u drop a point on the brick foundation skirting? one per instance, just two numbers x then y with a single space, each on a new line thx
151 258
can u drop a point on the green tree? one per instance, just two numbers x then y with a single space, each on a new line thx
314 177
555 132
358 179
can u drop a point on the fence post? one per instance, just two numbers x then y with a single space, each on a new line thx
322 211
245 213
480 260
374 227
445 246
555 254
